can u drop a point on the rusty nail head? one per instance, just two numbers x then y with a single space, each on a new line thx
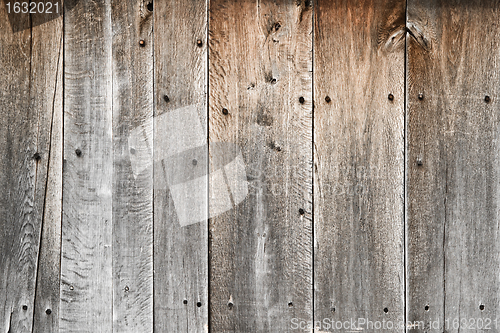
421 96
391 97
301 100
142 43
225 111
78 152
328 99
199 42
487 99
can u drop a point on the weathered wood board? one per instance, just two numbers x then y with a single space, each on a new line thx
260 106
180 125
86 265
452 160
359 92
132 189
30 172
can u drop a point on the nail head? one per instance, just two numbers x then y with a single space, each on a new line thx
127 288
78 152
185 301
301 211
198 304
37 156
327 99
420 96
142 43
25 307
301 100
391 97
419 162
199 42
225 111
386 310
487 99
48 311
165 98
195 162
481 307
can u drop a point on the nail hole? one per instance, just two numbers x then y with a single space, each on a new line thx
198 304
481 307
391 97
37 156
185 301
273 81
426 308
487 99
420 96
230 305
225 111
199 42
150 6
420 162
277 26
301 100
78 152
332 309
166 99
142 43
132 151
195 162
301 211
25 307
386 310
48 311
290 305
327 99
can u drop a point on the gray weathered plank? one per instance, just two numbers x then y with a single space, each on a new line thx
30 109
359 161
86 264
47 89
453 159
261 250
132 190
180 245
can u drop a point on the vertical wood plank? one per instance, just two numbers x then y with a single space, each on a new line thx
260 81
86 267
180 243
453 158
359 161
132 188
30 171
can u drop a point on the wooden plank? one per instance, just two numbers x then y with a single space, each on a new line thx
260 80
30 173
453 158
86 264
180 246
132 190
359 162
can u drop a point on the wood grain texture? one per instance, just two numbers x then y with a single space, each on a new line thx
86 267
453 158
180 252
132 190
261 250
31 113
359 160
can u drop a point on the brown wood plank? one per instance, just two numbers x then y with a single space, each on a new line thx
180 243
359 162
261 103
86 264
453 158
132 189
30 171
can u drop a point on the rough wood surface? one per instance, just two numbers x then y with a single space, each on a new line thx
30 109
359 160
86 267
132 190
261 250
453 159
180 250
